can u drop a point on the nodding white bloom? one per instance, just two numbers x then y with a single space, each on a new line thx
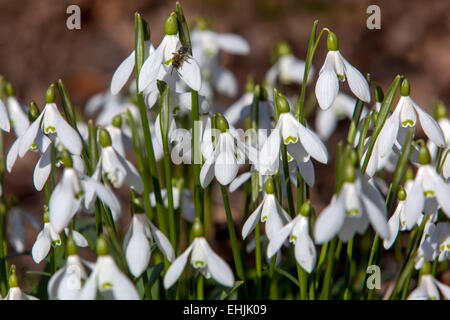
67 196
351 210
16 232
137 243
298 232
444 124
107 278
120 141
221 160
109 106
170 55
269 211
336 69
288 68
48 237
183 198
17 113
429 288
51 122
67 282
397 222
427 185
125 69
341 108
204 259
405 115
4 119
301 142
434 244
441 237
15 292
114 167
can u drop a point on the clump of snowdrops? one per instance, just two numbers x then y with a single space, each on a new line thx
391 194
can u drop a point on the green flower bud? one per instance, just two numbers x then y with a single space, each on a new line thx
270 188
197 228
426 268
33 112
379 95
46 217
352 156
375 117
257 91
250 84
401 195
13 281
66 159
104 137
349 172
102 246
117 121
50 96
221 123
71 246
137 205
439 110
424 155
405 89
282 48
171 25
409 175
305 209
332 42
9 90
282 104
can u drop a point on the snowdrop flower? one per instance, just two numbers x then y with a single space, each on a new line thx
221 161
114 167
342 107
120 141
170 55
15 292
351 210
48 237
269 211
107 278
138 240
126 67
301 142
16 231
427 184
440 113
202 258
4 119
50 121
298 232
181 198
66 283
109 106
441 236
405 115
69 193
288 68
429 288
17 113
336 69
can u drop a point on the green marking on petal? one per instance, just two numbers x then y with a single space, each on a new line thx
408 123
353 213
341 77
199 264
292 238
289 158
432 298
429 193
33 146
168 62
290 139
50 129
78 194
263 219
56 243
106 285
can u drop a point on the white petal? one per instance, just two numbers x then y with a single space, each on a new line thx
430 127
226 82
269 156
377 217
305 252
394 226
163 243
105 194
54 283
41 247
62 204
277 241
133 179
42 169
122 74
232 43
414 203
312 144
442 192
4 119
78 238
357 82
12 155
445 289
30 135
151 66
330 221
190 73
218 268
176 268
239 181
326 121
137 252
388 133
123 288
226 167
327 85
89 290
307 171
252 220
207 172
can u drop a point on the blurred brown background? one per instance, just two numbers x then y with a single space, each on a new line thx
36 49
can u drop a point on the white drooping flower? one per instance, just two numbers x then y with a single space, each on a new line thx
268 211
336 69
204 259
4 118
125 69
170 57
301 143
109 105
405 115
298 232
17 115
429 288
107 279
15 292
181 198
17 234
138 240
351 210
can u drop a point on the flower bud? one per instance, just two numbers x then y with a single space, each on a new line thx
283 48
305 209
379 95
401 195
71 246
104 138
171 25
117 121
197 228
270 188
250 84
332 42
405 88
282 104
13 281
352 156
426 268
349 172
9 90
50 96
46 217
66 159
439 110
102 246
424 155
137 205
409 175
33 112
221 123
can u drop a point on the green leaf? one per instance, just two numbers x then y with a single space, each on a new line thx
287 275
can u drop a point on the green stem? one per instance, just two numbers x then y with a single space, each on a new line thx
200 287
348 265
303 282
